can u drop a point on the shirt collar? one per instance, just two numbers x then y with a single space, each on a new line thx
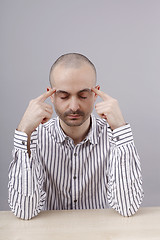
60 136
92 135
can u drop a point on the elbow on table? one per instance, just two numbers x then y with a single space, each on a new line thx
130 208
23 213
25 207
129 212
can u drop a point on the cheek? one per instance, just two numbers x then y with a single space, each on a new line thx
56 101
59 104
88 104
91 101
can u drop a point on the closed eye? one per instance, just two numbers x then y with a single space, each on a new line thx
62 95
85 93
82 97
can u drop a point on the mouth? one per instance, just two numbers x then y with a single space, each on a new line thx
74 116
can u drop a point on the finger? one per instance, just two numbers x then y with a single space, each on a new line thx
102 104
49 110
47 117
103 95
47 106
101 113
45 95
45 120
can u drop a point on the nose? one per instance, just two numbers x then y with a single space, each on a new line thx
74 105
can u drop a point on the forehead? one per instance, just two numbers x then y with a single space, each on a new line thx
73 78
85 90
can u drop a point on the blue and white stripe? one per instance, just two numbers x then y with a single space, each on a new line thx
103 170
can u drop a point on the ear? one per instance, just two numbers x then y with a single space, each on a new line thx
51 97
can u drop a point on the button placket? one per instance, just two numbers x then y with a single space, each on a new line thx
74 179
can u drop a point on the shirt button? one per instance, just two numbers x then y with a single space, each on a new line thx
118 138
74 177
75 200
23 142
75 154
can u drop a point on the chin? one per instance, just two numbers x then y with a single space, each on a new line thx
73 123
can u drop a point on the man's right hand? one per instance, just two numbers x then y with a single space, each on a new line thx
37 112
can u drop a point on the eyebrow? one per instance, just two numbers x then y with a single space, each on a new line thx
83 90
61 91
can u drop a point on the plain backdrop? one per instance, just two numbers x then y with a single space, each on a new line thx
122 39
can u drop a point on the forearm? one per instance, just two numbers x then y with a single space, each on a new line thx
125 192
26 207
26 196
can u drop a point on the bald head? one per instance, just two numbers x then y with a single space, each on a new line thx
70 60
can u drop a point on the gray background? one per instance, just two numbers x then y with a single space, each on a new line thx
121 37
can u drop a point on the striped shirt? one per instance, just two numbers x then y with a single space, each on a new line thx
101 171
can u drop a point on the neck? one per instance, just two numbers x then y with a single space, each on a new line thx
77 133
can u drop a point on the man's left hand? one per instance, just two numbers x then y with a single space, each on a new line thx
109 110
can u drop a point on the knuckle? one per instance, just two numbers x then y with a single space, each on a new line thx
114 101
31 101
41 111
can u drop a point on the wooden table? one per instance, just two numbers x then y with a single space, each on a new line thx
82 225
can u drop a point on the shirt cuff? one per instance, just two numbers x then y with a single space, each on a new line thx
121 135
20 140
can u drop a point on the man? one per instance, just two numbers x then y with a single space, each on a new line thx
74 161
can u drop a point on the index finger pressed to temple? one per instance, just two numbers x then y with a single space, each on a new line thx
45 95
100 93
